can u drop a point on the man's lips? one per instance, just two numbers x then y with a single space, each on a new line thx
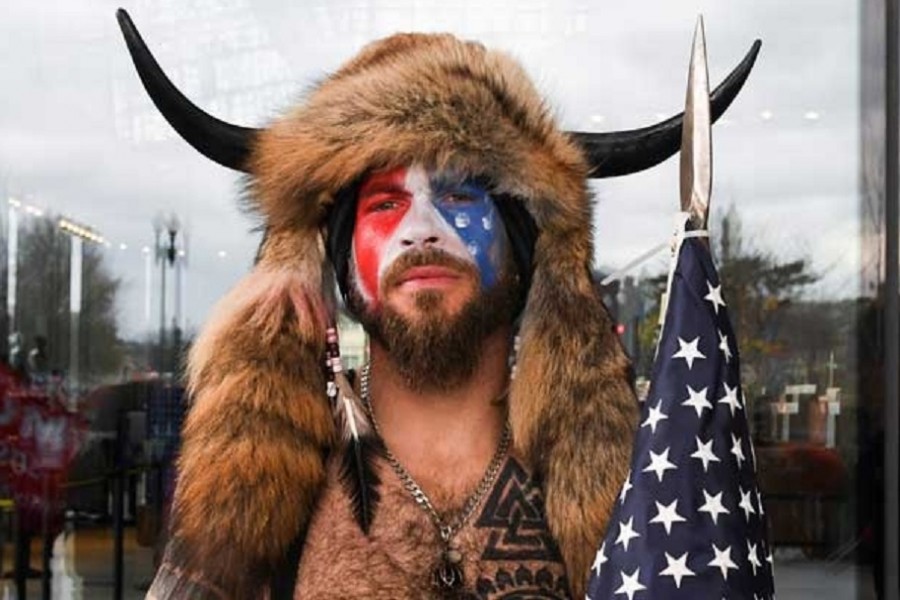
428 275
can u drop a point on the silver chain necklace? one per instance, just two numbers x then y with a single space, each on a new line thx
447 575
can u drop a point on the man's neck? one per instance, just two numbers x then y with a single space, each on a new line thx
444 438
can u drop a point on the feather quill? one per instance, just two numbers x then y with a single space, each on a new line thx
360 443
358 473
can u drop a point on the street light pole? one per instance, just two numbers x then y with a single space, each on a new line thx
75 261
12 249
165 253
77 235
162 312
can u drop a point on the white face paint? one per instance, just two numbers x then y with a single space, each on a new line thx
422 225
409 209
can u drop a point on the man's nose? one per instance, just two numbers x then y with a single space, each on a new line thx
423 228
425 240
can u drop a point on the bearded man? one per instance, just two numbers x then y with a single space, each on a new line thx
427 180
433 280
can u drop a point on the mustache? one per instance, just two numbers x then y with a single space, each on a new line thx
431 257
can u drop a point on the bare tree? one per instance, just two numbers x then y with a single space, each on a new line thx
42 301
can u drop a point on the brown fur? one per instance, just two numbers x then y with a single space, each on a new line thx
254 441
427 99
572 408
257 433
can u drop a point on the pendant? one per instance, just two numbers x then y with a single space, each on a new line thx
448 574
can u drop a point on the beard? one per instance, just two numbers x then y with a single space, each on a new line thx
433 350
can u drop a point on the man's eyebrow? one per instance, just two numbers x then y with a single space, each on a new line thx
381 187
444 183
441 181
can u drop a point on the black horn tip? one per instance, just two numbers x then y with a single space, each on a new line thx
126 24
616 153
227 144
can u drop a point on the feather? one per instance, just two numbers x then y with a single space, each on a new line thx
351 416
359 477
358 473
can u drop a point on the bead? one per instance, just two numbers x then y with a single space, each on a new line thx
454 556
447 576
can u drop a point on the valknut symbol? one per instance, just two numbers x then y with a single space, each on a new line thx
515 514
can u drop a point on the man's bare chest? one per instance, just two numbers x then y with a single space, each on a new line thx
507 550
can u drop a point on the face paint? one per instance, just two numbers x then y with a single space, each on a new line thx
471 212
408 209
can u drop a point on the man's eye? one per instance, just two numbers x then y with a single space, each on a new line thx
459 198
382 206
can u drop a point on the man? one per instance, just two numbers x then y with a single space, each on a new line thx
434 282
427 179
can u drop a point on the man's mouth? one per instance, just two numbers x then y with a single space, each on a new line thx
429 275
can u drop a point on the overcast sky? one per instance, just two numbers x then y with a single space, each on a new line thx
79 137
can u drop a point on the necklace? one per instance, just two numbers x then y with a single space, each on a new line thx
447 575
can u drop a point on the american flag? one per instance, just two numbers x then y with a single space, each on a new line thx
690 521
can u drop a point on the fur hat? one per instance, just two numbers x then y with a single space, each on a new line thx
260 428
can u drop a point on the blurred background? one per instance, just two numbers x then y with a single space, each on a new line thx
116 239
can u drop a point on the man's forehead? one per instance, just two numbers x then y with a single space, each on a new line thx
384 179
400 178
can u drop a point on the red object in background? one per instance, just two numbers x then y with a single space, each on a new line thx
801 468
39 438
10 416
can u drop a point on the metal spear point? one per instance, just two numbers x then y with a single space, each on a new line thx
696 138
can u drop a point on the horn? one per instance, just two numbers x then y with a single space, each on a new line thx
622 152
227 144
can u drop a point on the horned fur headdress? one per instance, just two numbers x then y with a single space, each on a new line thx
260 428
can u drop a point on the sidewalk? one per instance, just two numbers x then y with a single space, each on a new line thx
93 564
803 579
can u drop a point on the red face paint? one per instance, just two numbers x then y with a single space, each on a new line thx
383 201
406 209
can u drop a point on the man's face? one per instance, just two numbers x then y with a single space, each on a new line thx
431 272
425 234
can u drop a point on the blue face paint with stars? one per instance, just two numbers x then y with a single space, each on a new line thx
470 210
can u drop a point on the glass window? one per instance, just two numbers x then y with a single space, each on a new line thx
118 238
